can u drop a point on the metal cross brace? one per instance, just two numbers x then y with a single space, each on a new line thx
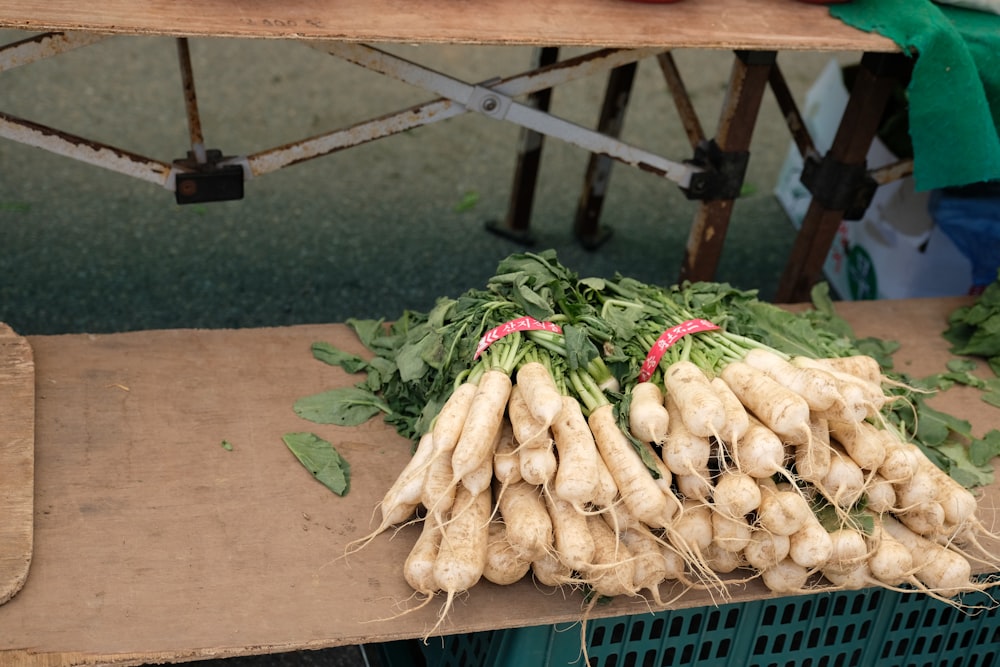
496 101
494 98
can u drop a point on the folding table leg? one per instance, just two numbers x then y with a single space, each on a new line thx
586 226
747 82
843 163
517 225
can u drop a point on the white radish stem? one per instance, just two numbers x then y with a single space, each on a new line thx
606 492
636 485
811 545
506 460
785 577
550 570
737 420
439 485
503 565
861 441
648 419
540 392
812 459
881 494
418 569
817 387
849 548
730 533
844 482
538 464
861 366
650 566
573 541
700 407
461 557
613 570
782 512
765 549
576 477
447 427
482 424
696 486
736 494
891 563
760 453
480 478
780 409
529 432
529 523
684 452
940 569
536 456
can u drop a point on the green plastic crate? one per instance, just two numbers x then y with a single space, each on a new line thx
842 629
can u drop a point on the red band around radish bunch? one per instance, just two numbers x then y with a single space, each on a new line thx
667 339
520 324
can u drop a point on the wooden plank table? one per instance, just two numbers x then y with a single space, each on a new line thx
156 543
711 24
761 27
17 460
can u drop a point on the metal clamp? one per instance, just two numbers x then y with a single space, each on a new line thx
215 179
839 186
722 172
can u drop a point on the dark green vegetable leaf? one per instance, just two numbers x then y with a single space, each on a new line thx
368 331
333 356
347 406
321 459
975 329
982 450
934 427
991 392
962 469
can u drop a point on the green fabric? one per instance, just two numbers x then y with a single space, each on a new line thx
954 94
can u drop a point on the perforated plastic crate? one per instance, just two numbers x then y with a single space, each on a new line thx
842 629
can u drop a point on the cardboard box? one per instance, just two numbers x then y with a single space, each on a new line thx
895 251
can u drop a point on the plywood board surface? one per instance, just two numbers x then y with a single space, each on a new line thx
726 24
17 462
156 541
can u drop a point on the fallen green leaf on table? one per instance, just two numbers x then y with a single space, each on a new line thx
467 202
945 439
974 330
321 459
347 406
226 445
328 354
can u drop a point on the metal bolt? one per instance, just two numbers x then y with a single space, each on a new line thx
188 188
489 104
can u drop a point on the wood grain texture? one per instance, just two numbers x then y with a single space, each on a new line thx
714 24
17 462
154 543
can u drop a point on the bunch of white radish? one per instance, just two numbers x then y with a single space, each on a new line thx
749 479
580 459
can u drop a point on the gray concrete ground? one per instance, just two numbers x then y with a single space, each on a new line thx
366 232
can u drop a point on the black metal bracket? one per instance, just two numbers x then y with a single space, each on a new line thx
838 186
203 182
722 175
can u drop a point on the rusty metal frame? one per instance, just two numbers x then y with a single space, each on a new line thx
494 98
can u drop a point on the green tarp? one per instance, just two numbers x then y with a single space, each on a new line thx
954 93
